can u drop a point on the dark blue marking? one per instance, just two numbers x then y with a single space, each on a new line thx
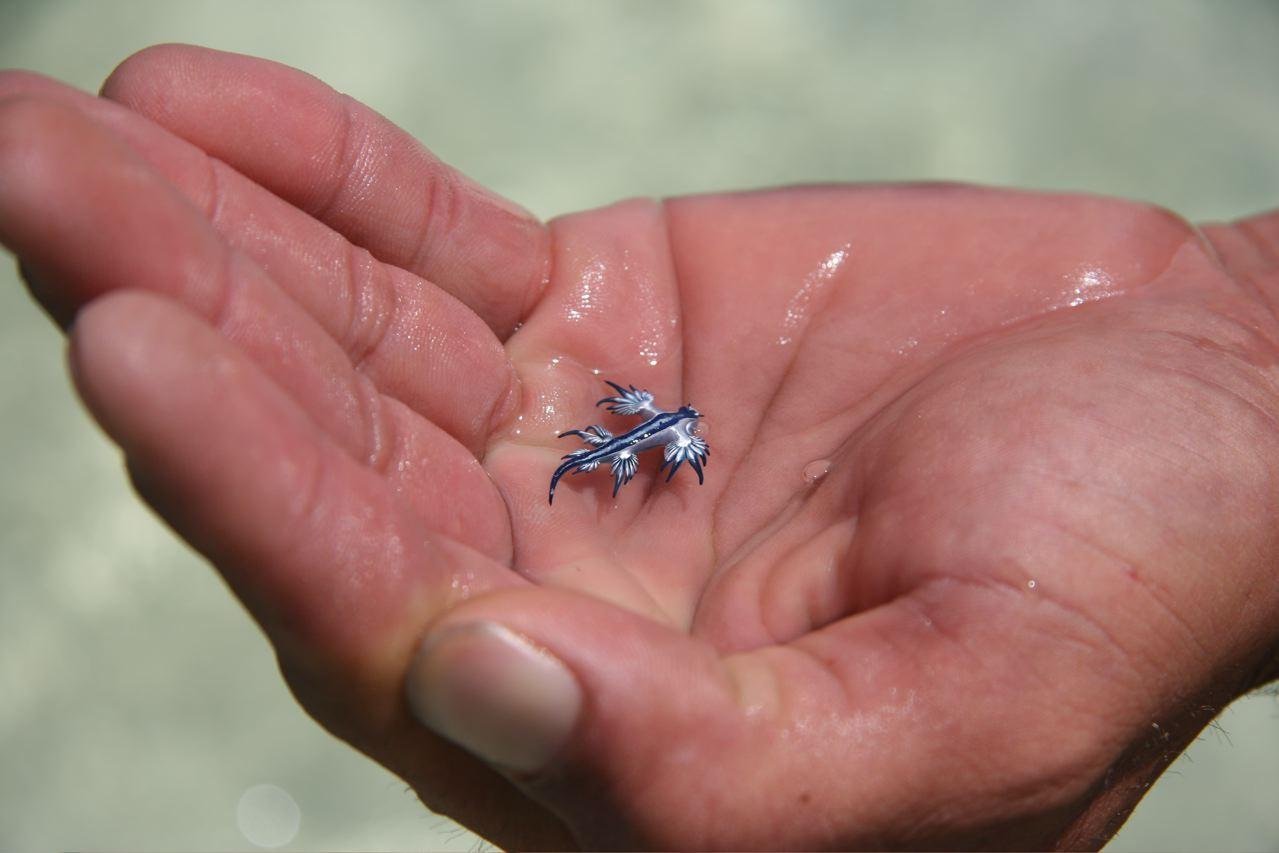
650 427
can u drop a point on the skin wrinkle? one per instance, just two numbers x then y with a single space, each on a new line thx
1248 282
761 607
1265 338
500 431
1223 241
1260 241
1146 509
380 434
1271 420
766 590
1261 284
228 288
753 541
1142 579
501 417
342 162
1069 774
534 290
372 303
1238 361
916 599
442 211
944 581
214 192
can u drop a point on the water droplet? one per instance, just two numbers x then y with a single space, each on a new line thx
652 362
1031 584
595 371
815 470
268 816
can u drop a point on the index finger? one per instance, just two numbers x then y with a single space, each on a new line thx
347 166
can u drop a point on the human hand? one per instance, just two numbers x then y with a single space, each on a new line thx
1041 549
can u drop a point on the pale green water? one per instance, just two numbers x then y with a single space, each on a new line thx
137 702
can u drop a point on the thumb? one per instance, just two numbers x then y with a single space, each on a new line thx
639 736
618 724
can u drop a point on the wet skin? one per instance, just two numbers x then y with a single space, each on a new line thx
339 370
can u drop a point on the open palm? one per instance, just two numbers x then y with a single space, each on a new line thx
986 537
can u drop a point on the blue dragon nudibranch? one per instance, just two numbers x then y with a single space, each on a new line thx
676 430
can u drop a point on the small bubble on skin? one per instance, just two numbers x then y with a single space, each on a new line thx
652 362
555 360
595 371
1032 584
814 471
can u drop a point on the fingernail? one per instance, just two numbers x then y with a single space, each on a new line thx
495 694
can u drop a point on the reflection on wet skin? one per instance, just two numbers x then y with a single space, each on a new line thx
800 306
1090 283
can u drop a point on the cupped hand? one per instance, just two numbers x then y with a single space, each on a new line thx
986 537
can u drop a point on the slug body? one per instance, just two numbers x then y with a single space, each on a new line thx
675 431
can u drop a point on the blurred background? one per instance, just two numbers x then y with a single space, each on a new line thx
139 707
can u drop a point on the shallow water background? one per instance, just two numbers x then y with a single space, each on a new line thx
140 708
